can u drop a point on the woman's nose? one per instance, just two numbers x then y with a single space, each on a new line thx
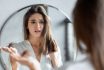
37 25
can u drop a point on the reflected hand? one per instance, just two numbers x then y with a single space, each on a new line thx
13 56
22 59
12 51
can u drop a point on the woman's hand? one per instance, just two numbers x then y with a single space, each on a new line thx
24 59
13 56
29 61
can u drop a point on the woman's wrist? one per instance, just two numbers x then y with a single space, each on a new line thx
31 66
14 66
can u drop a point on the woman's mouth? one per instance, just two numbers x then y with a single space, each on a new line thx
37 31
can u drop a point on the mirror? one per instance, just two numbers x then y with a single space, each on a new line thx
62 30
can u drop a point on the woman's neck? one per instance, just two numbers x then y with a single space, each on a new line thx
34 41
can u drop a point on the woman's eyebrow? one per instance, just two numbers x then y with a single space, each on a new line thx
35 20
41 19
32 20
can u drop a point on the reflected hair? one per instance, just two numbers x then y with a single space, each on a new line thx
88 19
47 41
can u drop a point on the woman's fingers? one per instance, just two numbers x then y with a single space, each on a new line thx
6 49
14 56
13 50
9 50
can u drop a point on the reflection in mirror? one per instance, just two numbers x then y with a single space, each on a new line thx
62 31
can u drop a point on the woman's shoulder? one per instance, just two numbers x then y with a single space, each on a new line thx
83 63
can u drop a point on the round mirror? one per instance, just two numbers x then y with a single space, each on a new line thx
61 26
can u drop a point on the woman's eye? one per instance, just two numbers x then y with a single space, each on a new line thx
33 22
42 22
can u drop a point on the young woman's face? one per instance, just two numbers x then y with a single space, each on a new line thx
35 25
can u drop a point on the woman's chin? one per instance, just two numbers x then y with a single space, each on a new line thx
37 36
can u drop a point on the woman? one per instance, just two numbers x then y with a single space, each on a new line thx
88 19
39 50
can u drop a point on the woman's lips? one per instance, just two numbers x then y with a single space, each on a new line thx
37 31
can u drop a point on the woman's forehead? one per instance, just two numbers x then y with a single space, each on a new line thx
36 16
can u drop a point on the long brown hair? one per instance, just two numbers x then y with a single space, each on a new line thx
88 20
47 40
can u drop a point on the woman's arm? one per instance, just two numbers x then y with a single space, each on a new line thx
53 60
56 59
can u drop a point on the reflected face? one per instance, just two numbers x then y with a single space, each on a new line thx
35 25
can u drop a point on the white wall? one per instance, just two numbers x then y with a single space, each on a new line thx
7 7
